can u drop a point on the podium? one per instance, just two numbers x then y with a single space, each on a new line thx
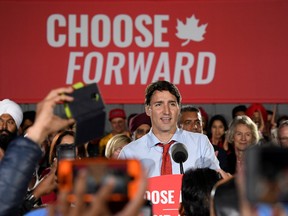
165 194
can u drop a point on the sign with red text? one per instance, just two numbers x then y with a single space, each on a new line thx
213 51
165 194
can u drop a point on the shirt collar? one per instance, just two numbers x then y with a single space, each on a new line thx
153 140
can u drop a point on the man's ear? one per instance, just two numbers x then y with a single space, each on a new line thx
148 110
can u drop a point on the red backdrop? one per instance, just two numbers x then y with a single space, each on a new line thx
214 51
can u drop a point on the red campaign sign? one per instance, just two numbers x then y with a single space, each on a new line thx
165 194
214 51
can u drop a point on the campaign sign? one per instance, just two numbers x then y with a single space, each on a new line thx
165 194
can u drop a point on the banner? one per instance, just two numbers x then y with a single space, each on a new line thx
214 51
164 192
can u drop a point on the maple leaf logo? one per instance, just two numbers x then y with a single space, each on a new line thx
190 31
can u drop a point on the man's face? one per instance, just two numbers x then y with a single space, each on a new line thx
191 121
8 130
163 111
118 125
141 131
283 136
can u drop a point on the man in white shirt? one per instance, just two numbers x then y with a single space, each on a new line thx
162 104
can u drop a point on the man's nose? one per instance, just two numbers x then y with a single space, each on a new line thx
166 108
3 125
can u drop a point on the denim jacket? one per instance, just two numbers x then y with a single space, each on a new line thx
16 170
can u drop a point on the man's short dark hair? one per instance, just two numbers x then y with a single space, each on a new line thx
284 123
281 119
239 108
196 188
161 85
190 108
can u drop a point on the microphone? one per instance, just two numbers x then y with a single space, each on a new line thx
179 154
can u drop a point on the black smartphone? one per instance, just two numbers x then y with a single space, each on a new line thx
87 109
266 174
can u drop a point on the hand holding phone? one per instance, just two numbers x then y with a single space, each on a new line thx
87 109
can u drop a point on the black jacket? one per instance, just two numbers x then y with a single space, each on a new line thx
16 170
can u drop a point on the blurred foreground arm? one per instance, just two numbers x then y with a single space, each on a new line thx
22 155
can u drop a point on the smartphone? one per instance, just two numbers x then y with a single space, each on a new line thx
266 174
127 174
87 109
66 151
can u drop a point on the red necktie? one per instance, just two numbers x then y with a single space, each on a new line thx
166 167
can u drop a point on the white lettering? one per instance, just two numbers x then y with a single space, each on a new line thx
114 56
75 30
72 66
98 69
163 196
155 197
101 30
163 63
163 215
140 66
51 30
200 68
100 37
185 68
159 30
146 39
125 30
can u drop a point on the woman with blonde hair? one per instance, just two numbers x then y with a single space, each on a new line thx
242 133
115 145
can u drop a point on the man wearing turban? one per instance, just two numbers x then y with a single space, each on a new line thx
11 116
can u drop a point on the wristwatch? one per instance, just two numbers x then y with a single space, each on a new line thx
32 198
30 201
